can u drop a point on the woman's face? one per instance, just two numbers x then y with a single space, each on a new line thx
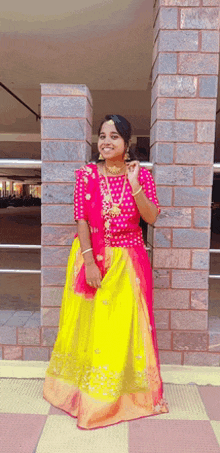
110 144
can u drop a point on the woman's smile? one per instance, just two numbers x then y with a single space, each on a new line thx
107 148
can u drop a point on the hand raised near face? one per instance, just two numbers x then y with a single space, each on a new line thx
133 169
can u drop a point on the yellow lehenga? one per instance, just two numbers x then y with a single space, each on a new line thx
97 370
104 366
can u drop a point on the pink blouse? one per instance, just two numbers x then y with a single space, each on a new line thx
123 230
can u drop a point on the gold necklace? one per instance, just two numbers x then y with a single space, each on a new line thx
114 211
114 170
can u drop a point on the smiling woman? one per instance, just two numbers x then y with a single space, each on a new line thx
104 367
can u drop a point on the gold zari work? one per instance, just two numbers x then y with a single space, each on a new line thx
91 379
103 367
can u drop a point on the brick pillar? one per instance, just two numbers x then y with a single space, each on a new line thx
184 91
66 145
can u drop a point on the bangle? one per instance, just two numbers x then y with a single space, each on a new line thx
88 250
138 191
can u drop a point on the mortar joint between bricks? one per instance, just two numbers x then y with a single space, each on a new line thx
175 111
191 254
178 63
195 129
178 18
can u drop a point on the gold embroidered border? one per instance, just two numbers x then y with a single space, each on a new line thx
106 205
91 379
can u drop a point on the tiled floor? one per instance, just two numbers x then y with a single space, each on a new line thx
29 424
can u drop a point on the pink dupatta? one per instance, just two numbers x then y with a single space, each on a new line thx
96 223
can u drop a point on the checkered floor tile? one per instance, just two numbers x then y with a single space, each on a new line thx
29 424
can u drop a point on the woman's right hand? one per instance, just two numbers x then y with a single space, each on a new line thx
93 275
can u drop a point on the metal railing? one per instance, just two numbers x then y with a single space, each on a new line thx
32 271
19 271
20 246
20 163
27 163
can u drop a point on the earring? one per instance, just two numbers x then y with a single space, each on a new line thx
101 157
127 156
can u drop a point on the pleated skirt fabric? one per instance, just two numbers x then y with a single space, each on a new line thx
104 365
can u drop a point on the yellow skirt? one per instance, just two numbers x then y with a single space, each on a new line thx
103 366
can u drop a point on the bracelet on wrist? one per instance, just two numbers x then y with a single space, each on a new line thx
85 251
138 191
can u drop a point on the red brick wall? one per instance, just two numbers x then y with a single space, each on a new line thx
184 91
66 131
66 145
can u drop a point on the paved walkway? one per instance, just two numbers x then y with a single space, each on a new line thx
29 424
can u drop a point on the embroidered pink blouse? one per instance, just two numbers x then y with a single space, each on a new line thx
123 230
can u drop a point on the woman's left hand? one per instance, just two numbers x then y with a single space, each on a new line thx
133 169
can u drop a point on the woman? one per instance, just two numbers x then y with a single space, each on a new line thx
104 366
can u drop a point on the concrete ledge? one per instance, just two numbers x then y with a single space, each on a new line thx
172 374
183 374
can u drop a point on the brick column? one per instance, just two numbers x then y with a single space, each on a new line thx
66 145
184 91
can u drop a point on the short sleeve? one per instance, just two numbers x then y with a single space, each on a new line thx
148 184
79 197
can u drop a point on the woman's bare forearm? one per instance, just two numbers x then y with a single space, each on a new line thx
147 209
85 240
